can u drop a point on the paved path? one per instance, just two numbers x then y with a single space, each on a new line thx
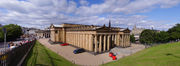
85 58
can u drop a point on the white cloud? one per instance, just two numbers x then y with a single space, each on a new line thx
40 13
84 2
125 6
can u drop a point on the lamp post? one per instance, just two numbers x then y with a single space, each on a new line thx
5 31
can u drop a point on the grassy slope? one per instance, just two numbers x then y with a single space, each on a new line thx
42 56
162 55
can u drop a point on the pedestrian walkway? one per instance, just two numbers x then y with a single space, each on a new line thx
80 59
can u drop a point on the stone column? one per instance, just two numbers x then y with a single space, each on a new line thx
129 40
100 43
90 42
125 40
112 45
122 40
78 40
75 39
117 40
84 41
104 43
108 42
95 39
82 37
87 42
81 40
67 37
72 38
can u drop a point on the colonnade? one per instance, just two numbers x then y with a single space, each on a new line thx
97 42
46 35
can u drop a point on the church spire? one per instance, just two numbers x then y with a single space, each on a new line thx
109 23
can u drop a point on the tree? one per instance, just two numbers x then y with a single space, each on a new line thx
174 32
132 38
147 36
1 35
13 32
162 37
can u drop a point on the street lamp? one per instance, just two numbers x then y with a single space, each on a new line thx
5 31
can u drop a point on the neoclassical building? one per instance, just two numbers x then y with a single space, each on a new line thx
92 38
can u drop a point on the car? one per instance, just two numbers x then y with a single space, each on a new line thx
80 50
111 54
65 44
114 57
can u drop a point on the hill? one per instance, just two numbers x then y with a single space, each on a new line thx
161 55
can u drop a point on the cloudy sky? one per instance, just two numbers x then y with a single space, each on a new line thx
159 14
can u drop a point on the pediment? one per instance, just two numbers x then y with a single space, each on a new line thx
127 30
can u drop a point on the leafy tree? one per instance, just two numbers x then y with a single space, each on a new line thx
13 32
174 32
1 35
162 37
147 36
132 38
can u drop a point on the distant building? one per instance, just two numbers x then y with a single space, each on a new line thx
92 38
137 32
30 31
43 34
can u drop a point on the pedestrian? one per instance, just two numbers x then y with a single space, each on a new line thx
12 46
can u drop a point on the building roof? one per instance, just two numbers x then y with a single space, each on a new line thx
42 31
79 27
58 26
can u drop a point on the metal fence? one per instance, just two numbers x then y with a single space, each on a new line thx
12 57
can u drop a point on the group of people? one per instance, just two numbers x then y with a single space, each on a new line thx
12 45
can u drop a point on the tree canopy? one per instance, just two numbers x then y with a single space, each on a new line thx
147 36
174 32
151 36
13 32
132 38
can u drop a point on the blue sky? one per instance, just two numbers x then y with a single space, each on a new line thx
166 14
159 14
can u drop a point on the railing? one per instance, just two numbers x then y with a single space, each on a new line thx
12 57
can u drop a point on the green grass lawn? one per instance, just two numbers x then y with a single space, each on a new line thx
42 56
161 55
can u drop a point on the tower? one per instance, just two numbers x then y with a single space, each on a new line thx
109 23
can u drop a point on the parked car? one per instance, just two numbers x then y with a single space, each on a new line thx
111 54
65 44
114 58
78 51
